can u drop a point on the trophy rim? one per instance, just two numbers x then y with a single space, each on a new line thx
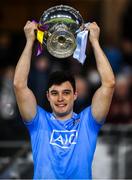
76 16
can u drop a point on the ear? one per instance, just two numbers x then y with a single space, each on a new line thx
47 94
75 95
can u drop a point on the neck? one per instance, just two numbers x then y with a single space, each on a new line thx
63 117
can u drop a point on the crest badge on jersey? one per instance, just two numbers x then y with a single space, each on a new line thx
63 138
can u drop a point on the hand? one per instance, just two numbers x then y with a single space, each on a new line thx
94 32
29 29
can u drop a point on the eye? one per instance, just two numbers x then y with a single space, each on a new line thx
54 93
66 92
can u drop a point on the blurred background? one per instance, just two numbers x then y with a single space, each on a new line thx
113 159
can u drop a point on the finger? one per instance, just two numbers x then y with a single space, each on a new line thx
87 26
93 26
94 23
35 24
28 22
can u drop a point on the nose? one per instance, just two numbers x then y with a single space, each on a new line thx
60 97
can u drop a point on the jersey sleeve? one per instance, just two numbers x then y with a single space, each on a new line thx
34 124
36 128
92 123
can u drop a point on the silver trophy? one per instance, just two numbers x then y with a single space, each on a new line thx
61 24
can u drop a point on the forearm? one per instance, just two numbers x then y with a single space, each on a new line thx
102 98
23 66
103 66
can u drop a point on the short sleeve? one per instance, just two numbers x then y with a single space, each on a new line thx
94 123
34 123
91 122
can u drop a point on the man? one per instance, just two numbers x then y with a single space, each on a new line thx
63 143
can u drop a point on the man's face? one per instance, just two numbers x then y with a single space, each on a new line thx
61 98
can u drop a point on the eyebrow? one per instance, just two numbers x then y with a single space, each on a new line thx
65 90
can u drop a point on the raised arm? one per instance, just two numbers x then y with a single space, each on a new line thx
102 98
25 99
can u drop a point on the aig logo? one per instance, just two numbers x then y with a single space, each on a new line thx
63 138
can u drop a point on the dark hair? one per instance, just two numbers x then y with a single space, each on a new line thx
58 77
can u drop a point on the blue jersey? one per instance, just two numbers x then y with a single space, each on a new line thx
63 149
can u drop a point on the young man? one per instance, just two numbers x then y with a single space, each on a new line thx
63 143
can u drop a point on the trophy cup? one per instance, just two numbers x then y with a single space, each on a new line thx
60 25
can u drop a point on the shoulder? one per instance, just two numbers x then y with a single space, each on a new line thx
87 115
39 116
86 111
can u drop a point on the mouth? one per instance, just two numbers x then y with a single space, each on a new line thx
61 105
